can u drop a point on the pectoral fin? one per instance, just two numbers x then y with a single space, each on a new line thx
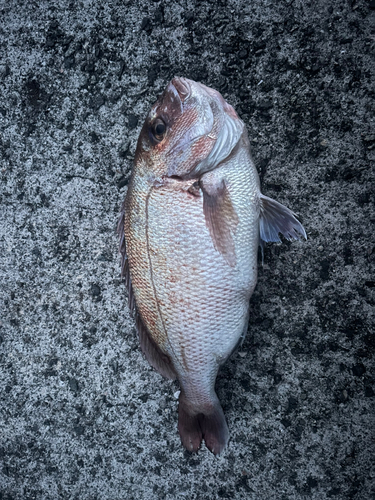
274 219
221 217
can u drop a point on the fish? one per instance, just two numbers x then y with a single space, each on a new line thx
190 227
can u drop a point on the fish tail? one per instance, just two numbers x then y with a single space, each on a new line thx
196 424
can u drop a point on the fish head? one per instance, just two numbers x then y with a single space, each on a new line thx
188 131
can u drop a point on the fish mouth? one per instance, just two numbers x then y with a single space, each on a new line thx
182 87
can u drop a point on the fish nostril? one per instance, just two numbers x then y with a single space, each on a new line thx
182 87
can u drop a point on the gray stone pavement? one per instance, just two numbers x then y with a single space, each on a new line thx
82 415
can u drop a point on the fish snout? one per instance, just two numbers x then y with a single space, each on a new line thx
182 86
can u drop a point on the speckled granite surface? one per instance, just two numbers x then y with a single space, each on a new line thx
82 415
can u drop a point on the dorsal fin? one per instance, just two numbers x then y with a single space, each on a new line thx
154 356
124 259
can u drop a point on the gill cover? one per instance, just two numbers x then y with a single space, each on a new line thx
206 132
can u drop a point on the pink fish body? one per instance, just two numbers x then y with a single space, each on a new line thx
190 228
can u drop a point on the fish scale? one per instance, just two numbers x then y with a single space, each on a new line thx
195 288
192 221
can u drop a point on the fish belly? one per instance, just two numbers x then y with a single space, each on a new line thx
202 301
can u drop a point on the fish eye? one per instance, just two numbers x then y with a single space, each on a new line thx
159 129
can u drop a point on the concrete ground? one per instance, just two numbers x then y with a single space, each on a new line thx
82 415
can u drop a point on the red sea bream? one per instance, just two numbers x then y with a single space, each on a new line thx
190 228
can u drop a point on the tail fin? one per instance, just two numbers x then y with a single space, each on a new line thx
195 425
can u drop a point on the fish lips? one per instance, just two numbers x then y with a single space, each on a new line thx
182 87
188 127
